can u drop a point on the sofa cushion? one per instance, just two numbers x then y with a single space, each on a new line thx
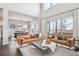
34 35
26 36
29 40
68 36
51 36
61 37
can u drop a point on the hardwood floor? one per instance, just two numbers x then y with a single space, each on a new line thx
10 49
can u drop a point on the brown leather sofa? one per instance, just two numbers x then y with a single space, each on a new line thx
27 39
68 40
49 36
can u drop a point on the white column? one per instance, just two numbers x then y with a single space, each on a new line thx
40 16
29 28
75 26
39 25
46 29
61 26
43 25
5 26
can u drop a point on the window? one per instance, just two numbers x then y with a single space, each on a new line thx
37 27
12 26
34 28
19 26
25 26
67 25
52 27
48 27
53 4
48 5
59 26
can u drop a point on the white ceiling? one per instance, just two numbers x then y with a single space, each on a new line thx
32 9
19 16
12 15
21 11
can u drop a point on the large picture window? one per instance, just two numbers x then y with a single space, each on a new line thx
52 27
59 26
67 25
48 5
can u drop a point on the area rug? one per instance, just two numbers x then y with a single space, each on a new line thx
30 50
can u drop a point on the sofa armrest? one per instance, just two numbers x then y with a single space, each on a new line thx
72 42
19 40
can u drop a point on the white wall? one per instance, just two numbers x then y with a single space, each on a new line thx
43 27
59 8
17 22
5 26
1 23
25 8
20 16
34 22
1 12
